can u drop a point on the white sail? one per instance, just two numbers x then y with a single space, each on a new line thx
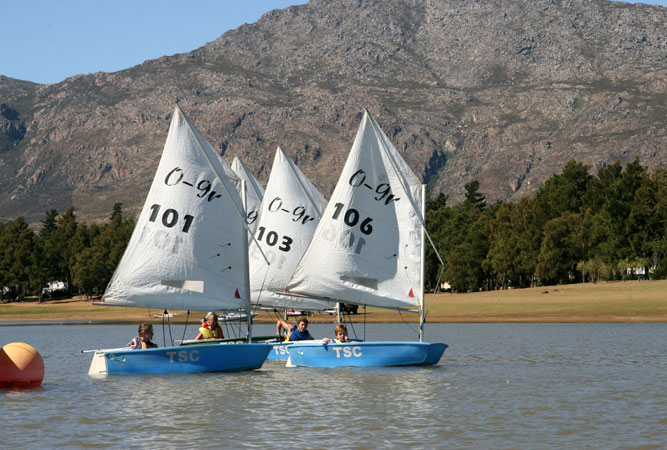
367 246
254 192
290 212
189 247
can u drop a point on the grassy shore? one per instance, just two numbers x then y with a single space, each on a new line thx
621 301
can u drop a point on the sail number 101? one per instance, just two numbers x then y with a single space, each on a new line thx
170 217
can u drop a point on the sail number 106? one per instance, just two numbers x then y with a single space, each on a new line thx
170 217
351 218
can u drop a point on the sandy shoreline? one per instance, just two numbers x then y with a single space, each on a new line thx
622 301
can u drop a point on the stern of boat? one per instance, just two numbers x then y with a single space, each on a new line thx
98 366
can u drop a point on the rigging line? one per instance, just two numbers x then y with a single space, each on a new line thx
169 326
275 315
408 324
401 179
220 178
437 286
187 316
164 335
226 325
232 328
261 289
240 323
349 317
364 322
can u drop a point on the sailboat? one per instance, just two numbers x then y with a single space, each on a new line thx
368 249
288 216
254 192
188 251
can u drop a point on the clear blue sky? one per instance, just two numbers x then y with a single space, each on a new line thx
46 41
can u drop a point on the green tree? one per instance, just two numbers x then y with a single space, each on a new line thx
581 267
527 237
465 244
17 246
562 192
89 271
436 219
116 237
503 253
647 220
619 187
4 278
49 224
59 245
45 257
473 197
460 270
99 250
434 204
561 250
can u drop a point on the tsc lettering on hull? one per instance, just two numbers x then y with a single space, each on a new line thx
348 352
183 356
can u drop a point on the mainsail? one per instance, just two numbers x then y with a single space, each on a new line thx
254 192
189 247
367 247
290 212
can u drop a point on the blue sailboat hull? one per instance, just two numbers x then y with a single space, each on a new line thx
279 351
182 359
365 354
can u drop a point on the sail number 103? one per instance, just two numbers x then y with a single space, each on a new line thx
170 217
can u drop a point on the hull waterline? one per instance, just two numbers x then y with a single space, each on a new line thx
365 354
173 360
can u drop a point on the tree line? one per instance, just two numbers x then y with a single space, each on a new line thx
576 228
82 255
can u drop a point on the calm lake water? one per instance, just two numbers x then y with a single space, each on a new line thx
498 386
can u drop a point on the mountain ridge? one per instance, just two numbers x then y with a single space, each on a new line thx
501 91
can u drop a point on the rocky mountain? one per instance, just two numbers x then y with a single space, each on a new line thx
502 91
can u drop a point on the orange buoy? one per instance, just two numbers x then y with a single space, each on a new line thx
20 365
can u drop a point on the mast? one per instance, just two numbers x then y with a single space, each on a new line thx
246 270
243 217
338 313
421 268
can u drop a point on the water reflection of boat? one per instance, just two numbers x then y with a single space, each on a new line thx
188 251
